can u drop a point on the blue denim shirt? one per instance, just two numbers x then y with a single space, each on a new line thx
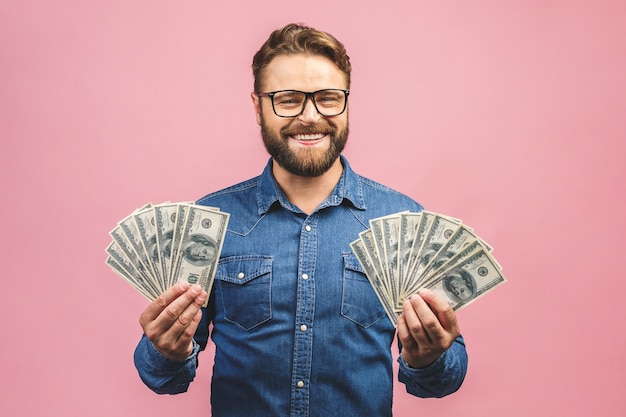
298 329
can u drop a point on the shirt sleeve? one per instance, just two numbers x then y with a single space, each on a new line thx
161 374
441 378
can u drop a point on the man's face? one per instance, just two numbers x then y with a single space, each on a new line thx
307 145
201 252
460 289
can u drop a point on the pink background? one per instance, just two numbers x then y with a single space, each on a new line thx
506 114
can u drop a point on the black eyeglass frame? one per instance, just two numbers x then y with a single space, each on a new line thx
308 96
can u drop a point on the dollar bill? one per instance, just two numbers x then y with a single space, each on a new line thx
369 244
468 280
129 268
146 227
439 233
404 252
464 237
199 243
409 225
158 245
132 280
165 220
426 221
361 253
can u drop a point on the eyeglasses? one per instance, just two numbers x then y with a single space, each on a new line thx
291 103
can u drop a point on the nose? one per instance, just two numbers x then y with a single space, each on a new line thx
309 113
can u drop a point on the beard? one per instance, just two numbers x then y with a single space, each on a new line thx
307 162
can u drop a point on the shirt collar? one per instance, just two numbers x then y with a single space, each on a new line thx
349 189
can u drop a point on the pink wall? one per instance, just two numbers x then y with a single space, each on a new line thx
508 115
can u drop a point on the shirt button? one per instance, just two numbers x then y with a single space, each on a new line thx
305 276
303 328
307 228
241 275
300 384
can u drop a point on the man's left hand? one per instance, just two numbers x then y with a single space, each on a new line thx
426 328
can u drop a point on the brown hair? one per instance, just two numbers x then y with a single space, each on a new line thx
299 39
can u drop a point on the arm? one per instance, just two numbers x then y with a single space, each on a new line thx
166 356
433 360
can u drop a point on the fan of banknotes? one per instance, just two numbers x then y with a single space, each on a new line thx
404 252
157 246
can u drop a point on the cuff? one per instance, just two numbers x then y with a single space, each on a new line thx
414 373
157 360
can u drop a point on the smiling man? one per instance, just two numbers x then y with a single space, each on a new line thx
298 330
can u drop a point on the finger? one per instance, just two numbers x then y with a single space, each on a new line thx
161 302
185 321
411 312
190 330
432 327
404 334
445 314
182 309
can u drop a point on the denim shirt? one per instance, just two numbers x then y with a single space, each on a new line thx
297 327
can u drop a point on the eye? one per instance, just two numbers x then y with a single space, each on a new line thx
329 98
288 99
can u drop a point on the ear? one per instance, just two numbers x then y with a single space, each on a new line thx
256 102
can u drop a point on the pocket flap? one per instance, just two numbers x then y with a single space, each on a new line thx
351 263
242 269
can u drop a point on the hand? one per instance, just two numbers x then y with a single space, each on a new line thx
426 328
171 320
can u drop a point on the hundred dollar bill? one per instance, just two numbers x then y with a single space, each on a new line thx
378 239
133 236
461 239
404 252
369 245
468 280
133 268
439 233
146 226
165 220
422 230
390 229
361 253
409 223
119 270
125 249
181 219
199 242
472 247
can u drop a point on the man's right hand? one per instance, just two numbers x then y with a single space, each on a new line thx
171 320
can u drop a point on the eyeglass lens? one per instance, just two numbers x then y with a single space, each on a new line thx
291 103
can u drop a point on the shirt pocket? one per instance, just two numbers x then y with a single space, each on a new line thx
244 287
359 302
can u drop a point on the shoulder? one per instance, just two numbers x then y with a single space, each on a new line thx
240 191
376 194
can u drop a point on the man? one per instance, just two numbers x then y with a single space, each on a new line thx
298 329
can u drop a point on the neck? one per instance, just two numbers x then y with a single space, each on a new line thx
307 193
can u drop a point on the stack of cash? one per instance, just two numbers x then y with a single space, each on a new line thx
404 252
157 246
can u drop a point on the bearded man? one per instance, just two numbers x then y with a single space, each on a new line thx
297 327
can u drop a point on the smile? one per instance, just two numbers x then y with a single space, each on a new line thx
316 136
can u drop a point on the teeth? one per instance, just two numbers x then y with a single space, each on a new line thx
309 137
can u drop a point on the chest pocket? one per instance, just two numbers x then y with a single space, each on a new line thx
244 289
359 302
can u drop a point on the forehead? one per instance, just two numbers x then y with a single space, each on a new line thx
302 72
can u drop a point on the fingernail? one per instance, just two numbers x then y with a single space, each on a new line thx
195 288
184 285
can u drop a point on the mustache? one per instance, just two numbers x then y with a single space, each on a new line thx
309 130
